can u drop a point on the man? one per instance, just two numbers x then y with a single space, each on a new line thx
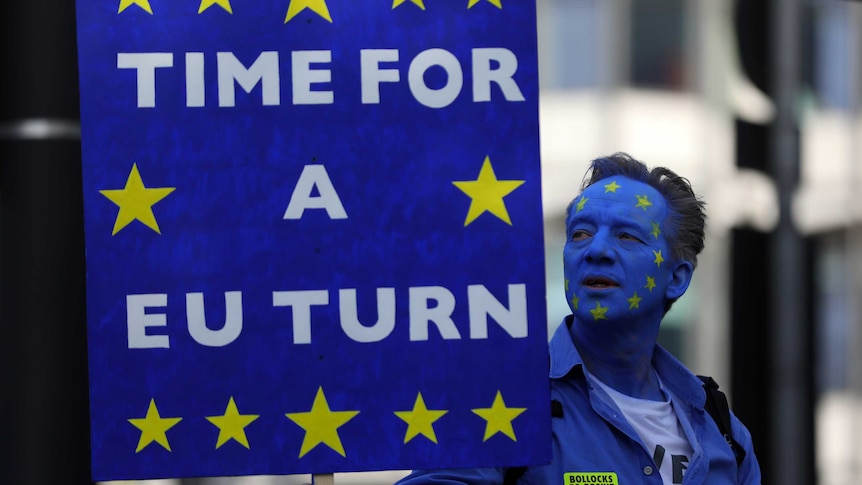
626 410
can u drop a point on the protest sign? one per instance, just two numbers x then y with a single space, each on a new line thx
314 236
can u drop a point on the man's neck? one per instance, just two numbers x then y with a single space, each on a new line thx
620 355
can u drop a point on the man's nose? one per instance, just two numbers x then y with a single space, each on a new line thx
600 248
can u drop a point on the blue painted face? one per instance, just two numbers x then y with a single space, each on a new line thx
617 262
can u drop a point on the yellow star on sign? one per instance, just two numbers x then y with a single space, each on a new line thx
487 193
418 3
499 418
136 202
599 312
321 425
496 3
420 420
153 427
144 4
231 425
205 4
612 187
317 6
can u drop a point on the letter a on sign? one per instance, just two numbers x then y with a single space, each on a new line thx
314 176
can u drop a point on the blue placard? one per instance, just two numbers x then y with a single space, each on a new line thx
314 236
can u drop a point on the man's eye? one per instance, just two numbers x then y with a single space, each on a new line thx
628 237
580 235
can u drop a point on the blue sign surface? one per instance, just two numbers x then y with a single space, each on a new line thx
314 236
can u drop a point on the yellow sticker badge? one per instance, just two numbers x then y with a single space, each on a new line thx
581 478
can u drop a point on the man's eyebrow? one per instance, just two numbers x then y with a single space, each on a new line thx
578 217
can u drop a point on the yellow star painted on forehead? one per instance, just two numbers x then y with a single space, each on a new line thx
144 4
634 301
205 4
317 6
656 230
658 259
418 3
496 3
650 283
612 187
599 311
580 205
643 202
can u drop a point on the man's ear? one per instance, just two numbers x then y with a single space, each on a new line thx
680 277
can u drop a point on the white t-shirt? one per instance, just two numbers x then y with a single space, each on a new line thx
658 427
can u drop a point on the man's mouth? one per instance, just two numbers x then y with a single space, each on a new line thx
599 282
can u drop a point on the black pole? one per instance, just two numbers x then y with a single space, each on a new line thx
44 411
772 364
791 390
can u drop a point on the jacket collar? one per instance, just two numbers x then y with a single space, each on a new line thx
675 376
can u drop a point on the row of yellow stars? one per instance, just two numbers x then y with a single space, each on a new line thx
294 7
321 423
135 201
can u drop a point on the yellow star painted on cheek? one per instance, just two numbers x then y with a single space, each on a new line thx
599 312
612 187
136 202
643 202
321 425
574 299
496 3
205 4
634 301
581 203
650 283
418 3
420 420
499 418
658 259
153 427
487 194
317 6
144 4
656 230
231 425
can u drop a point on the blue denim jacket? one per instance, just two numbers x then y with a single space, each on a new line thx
593 443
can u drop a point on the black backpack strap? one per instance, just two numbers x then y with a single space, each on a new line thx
716 406
556 409
513 474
